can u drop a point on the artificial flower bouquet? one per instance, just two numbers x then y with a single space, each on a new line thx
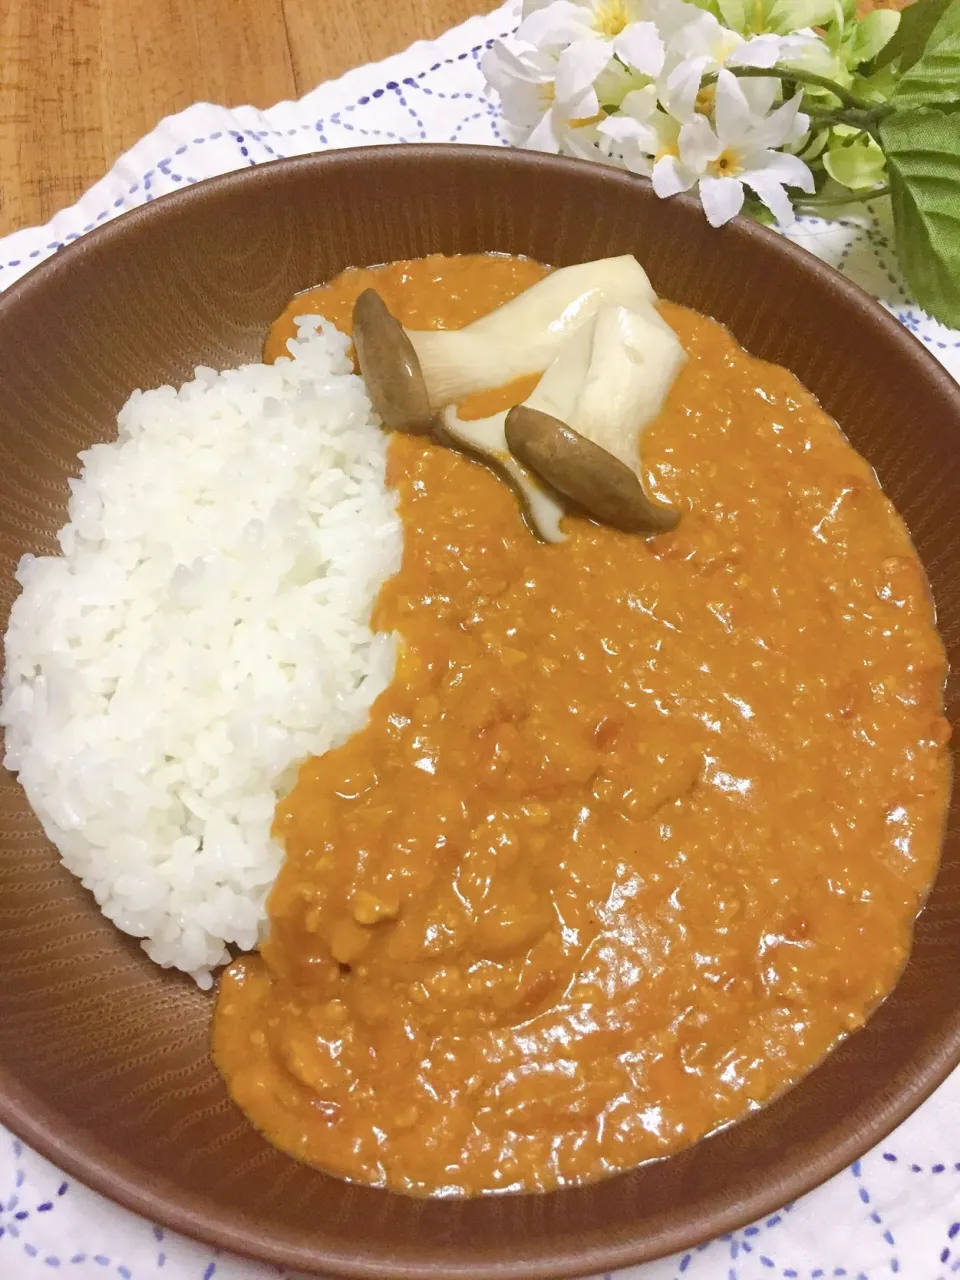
765 106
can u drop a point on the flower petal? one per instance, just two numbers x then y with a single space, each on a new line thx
698 36
780 126
624 129
772 195
758 51
698 144
544 137
640 104
671 177
761 93
640 46
673 17
578 67
780 167
807 50
502 67
732 113
639 163
555 25
582 141
636 10
722 199
679 94
629 143
524 83
801 127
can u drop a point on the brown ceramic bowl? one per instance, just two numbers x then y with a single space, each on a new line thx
103 1058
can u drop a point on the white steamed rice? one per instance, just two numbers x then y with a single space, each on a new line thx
206 627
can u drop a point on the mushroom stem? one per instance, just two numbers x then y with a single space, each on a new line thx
524 335
556 393
589 451
608 361
634 361
578 431
485 438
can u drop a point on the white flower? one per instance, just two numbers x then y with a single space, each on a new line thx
702 46
683 94
640 131
706 37
623 81
586 34
645 134
737 151
581 138
525 82
703 37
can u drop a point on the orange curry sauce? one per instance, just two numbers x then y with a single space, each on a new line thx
640 828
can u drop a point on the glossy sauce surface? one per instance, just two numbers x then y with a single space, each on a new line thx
640 828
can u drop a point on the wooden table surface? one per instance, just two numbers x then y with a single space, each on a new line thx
82 80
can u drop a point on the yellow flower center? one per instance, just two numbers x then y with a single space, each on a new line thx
726 165
706 100
582 123
611 18
668 149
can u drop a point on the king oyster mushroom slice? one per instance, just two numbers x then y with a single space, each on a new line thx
585 473
555 393
579 430
591 454
403 368
634 361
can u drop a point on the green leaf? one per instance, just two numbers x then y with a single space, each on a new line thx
934 79
710 6
759 212
818 57
916 27
615 81
733 14
877 87
871 34
815 146
791 15
923 160
856 166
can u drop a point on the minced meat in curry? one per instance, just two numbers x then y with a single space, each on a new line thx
640 828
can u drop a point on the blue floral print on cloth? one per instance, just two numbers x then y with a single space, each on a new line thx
894 1213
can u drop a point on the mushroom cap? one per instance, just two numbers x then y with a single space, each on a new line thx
583 472
390 367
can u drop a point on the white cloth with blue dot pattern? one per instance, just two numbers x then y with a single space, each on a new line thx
895 1211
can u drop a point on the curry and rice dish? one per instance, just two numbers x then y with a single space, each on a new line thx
631 824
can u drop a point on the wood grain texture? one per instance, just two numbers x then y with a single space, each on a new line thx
82 80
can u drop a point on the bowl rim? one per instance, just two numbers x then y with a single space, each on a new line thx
158 1198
